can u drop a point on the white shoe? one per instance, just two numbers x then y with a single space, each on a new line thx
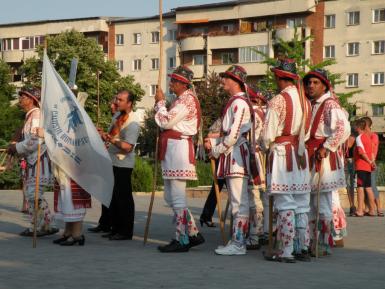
231 249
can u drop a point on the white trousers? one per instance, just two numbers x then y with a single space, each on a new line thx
325 206
175 194
239 196
300 203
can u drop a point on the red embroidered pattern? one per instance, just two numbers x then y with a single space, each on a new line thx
278 104
286 188
330 186
179 173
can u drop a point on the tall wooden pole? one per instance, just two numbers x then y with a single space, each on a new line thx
155 174
98 97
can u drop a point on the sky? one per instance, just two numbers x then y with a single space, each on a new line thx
31 10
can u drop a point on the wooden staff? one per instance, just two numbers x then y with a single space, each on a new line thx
219 205
37 184
155 174
98 97
317 213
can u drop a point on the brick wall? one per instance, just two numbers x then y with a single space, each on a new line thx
316 22
111 41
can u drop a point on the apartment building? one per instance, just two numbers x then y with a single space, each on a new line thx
354 35
18 40
214 36
134 45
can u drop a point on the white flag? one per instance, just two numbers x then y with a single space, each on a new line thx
72 140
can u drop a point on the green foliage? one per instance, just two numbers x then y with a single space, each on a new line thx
147 136
380 174
62 48
212 99
11 118
142 176
205 176
295 49
10 179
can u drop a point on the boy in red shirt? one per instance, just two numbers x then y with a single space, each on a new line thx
364 164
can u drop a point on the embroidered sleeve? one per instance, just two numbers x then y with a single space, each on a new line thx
336 120
275 117
166 119
238 116
31 140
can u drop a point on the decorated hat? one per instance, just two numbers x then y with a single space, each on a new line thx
33 93
182 74
285 68
236 72
321 74
255 94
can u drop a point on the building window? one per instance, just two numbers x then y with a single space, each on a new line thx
379 47
27 43
353 18
7 45
352 80
137 65
137 38
330 21
250 54
172 62
228 27
119 65
200 30
155 63
155 37
378 110
172 35
119 39
153 88
378 78
199 59
330 51
227 58
295 22
379 15
353 49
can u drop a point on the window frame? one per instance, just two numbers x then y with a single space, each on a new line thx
232 57
333 50
379 15
173 61
152 37
380 79
381 44
356 49
355 77
199 55
333 16
355 22
119 39
153 88
377 110
254 57
119 65
136 42
135 66
156 62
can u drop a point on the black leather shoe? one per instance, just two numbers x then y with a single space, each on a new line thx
62 239
196 240
174 247
98 229
304 256
73 241
119 237
209 224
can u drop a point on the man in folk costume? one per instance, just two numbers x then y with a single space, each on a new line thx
179 124
329 130
122 137
259 203
232 149
29 101
284 134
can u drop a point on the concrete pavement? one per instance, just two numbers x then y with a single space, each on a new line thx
128 264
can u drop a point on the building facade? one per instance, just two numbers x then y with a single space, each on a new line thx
19 40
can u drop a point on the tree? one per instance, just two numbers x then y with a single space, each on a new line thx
295 49
61 49
11 117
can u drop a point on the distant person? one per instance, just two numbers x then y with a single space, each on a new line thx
375 144
350 174
364 165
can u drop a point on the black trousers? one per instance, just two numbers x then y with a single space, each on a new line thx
105 220
211 202
122 208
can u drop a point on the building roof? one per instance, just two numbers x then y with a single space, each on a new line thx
57 20
220 4
170 14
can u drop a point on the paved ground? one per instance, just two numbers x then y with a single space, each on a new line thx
128 264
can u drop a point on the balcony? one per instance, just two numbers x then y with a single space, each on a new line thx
287 34
253 68
238 40
192 43
198 70
16 56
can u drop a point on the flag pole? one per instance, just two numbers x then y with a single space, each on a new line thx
155 174
98 97
37 179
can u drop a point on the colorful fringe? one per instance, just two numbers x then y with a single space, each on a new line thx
185 226
285 232
240 229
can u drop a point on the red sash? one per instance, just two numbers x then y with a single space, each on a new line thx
80 198
173 134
